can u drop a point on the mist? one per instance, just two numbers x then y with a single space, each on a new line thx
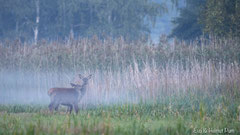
150 84
31 88
119 67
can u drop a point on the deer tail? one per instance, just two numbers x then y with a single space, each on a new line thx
50 92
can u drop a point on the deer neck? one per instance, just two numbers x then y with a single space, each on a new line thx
83 88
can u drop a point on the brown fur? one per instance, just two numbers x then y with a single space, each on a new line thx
68 96
64 96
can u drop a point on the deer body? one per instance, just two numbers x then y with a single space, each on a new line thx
68 96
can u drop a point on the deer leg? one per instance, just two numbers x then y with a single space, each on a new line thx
70 108
50 107
56 107
76 107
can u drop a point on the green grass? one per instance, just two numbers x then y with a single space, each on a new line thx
165 89
172 115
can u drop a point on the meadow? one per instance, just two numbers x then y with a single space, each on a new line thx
136 88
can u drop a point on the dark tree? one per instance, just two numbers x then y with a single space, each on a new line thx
187 26
222 18
130 19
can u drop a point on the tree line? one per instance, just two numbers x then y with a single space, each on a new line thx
219 18
130 19
57 19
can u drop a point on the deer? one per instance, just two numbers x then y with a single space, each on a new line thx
68 96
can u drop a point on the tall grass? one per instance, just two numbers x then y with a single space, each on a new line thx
136 88
92 54
123 72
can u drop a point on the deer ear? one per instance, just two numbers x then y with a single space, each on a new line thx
80 76
90 76
73 85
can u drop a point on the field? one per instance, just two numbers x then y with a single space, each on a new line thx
136 88
125 119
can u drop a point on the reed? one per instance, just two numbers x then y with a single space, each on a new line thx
123 72
136 88
94 54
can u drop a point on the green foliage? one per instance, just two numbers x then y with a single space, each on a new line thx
222 18
187 24
169 116
60 18
16 18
